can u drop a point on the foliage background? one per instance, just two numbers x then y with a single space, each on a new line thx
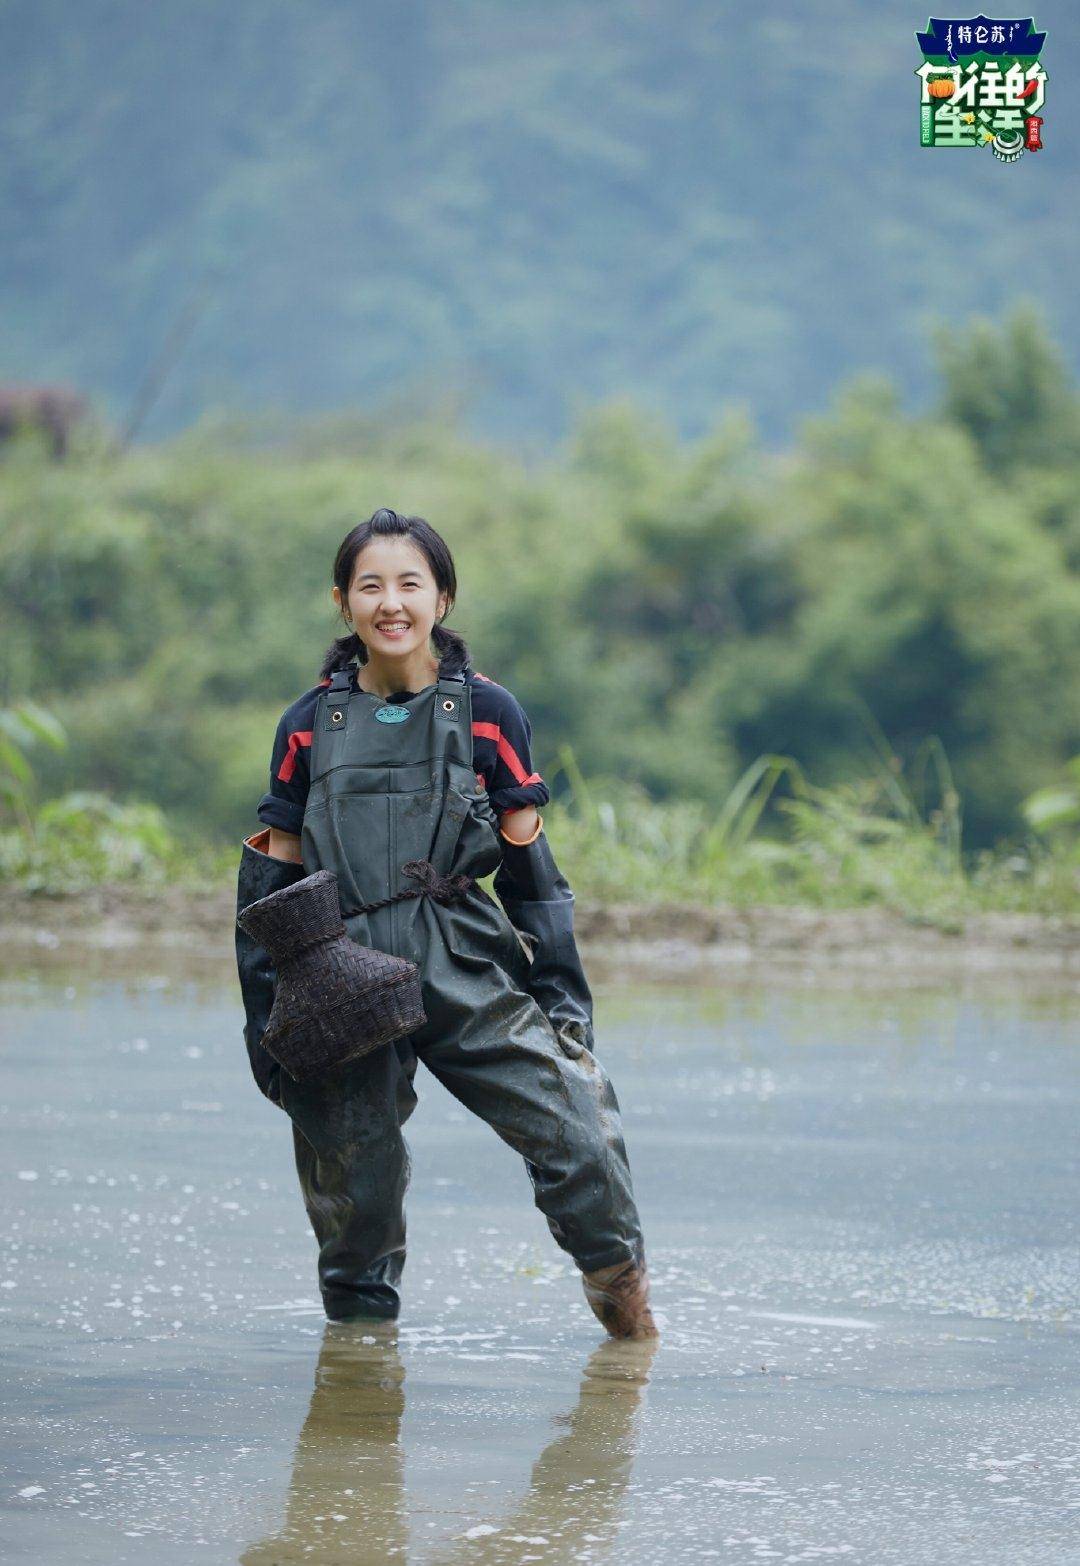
753 425
669 610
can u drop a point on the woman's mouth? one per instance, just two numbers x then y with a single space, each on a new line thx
394 629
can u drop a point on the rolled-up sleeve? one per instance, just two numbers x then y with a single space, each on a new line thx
511 779
283 804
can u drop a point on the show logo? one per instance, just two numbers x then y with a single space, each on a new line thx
982 85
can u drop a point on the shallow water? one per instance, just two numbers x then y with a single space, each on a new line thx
862 1220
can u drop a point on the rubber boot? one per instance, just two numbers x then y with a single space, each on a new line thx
619 1297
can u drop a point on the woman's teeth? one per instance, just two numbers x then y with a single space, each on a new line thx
393 627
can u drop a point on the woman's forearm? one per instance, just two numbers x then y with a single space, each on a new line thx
520 826
285 845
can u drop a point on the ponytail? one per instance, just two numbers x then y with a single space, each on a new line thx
341 652
451 648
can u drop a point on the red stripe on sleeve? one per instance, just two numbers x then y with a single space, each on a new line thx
288 762
506 752
510 756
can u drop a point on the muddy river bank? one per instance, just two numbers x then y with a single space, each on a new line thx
859 948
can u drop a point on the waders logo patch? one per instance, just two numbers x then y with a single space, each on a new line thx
982 85
391 714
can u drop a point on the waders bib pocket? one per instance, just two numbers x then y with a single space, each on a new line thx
368 822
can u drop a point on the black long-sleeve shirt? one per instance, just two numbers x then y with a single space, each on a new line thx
502 738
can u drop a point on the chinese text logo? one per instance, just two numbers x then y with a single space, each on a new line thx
982 85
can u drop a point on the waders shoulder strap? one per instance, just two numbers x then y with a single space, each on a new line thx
449 706
336 704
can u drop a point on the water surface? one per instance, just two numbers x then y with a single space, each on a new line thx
862 1219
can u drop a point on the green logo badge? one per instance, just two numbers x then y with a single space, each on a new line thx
391 714
982 85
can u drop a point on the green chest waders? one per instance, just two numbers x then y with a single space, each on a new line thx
393 782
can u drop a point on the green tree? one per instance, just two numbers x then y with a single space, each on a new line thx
1007 385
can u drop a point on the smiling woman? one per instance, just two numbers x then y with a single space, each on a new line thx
393 602
404 759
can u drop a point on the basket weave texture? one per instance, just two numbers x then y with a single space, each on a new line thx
334 999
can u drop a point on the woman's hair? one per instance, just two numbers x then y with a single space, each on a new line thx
451 648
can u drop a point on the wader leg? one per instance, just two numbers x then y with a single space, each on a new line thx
554 1103
353 1165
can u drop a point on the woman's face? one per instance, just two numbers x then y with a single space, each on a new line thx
393 601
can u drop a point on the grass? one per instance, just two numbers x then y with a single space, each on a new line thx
776 839
779 839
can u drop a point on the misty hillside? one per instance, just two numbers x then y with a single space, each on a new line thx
521 207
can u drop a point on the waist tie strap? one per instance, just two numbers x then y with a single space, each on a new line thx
443 888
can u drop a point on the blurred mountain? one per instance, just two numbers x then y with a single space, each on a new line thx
514 206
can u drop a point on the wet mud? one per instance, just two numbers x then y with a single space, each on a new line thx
867 948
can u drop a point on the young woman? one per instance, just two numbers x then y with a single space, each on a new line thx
404 753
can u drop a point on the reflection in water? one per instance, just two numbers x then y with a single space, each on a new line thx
347 1504
579 1479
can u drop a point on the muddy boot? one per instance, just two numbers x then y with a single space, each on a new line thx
619 1297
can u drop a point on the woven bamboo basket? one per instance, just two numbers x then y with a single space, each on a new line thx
335 1000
